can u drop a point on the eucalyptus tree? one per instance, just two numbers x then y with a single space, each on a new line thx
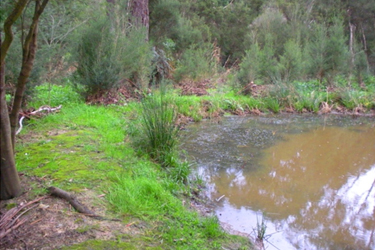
10 183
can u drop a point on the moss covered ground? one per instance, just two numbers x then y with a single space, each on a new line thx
85 147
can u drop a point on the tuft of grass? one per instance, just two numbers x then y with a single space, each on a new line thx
158 120
211 227
272 104
310 101
189 106
261 230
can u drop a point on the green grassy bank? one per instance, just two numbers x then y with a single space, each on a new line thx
89 147
102 148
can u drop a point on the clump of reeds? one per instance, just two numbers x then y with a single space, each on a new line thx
159 117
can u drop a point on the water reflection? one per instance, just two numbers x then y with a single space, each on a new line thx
314 182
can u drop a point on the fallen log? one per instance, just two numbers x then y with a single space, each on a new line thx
54 191
57 192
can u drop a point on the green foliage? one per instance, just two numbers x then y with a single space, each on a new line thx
290 63
310 101
229 23
168 23
285 94
326 51
179 172
97 65
55 95
270 30
261 230
259 65
352 98
212 227
272 104
250 67
144 197
196 63
134 55
158 120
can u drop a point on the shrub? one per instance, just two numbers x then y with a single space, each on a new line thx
272 104
158 120
195 63
97 65
54 95
354 98
309 100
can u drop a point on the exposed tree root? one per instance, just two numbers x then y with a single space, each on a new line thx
54 191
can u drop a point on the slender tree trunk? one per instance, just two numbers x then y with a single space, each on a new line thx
351 48
29 50
365 47
140 12
9 181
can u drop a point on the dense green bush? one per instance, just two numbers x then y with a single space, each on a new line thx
97 65
326 51
195 63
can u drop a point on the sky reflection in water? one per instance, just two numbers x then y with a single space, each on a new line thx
315 184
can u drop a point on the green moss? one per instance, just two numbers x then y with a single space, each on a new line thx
68 159
10 206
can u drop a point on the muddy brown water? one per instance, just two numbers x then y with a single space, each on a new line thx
310 178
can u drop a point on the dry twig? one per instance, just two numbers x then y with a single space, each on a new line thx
12 219
43 108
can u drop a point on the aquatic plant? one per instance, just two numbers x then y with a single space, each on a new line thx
260 230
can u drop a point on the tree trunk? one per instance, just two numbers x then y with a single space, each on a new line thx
140 12
351 48
10 183
29 50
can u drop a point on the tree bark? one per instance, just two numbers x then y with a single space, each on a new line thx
10 183
140 13
17 11
28 55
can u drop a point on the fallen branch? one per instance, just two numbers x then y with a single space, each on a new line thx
43 108
11 220
54 191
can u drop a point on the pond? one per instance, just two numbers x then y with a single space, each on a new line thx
310 178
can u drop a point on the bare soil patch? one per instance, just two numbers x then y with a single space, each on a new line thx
53 223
